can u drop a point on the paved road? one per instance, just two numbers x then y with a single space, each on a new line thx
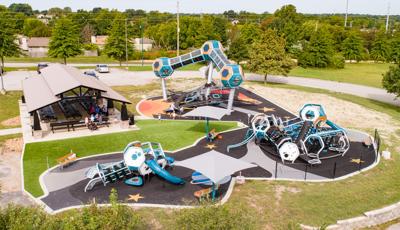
116 77
34 64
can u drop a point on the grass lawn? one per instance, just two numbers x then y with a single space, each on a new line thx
369 74
77 59
27 68
151 130
9 107
147 67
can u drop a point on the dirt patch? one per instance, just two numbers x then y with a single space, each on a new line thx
13 145
12 122
10 173
279 190
344 113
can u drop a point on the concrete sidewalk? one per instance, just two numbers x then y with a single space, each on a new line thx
4 132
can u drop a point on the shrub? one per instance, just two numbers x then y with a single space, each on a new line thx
90 46
337 61
391 80
210 217
93 217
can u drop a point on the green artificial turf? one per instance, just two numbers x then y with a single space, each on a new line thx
171 134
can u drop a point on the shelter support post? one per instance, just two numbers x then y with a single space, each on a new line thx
213 193
207 128
164 88
124 113
230 101
36 122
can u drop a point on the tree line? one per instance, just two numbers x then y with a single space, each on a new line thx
319 41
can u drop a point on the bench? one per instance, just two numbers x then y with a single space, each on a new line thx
67 159
200 194
60 125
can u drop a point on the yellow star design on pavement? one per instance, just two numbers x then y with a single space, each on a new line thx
286 117
135 197
210 146
266 109
357 161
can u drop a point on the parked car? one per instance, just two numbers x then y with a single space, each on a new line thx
102 68
41 66
91 73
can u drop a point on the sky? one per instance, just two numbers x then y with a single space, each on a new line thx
378 7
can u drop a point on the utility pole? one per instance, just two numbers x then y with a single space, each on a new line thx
387 17
177 28
141 35
347 11
126 43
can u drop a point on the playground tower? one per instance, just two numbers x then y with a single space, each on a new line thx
231 75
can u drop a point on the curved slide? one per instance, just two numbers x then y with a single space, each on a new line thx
163 173
245 141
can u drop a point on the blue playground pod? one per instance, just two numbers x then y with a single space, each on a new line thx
162 67
208 47
134 181
231 75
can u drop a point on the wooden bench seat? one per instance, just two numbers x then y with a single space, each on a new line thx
67 159
200 194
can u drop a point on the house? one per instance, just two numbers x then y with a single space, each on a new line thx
44 18
99 40
147 44
38 46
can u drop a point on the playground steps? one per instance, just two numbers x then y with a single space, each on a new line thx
106 173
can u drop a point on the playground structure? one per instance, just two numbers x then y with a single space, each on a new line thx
140 160
310 137
231 75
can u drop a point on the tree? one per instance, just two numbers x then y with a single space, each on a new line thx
319 52
21 8
391 80
286 21
380 49
352 47
8 46
267 55
86 33
65 41
395 49
116 44
238 50
36 28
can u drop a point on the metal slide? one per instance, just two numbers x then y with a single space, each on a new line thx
245 141
153 165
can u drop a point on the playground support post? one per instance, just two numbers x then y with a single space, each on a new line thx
164 89
230 101
209 78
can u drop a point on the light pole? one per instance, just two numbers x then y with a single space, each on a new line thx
177 28
141 35
2 90
347 10
387 17
126 43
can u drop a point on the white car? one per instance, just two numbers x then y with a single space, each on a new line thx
102 68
